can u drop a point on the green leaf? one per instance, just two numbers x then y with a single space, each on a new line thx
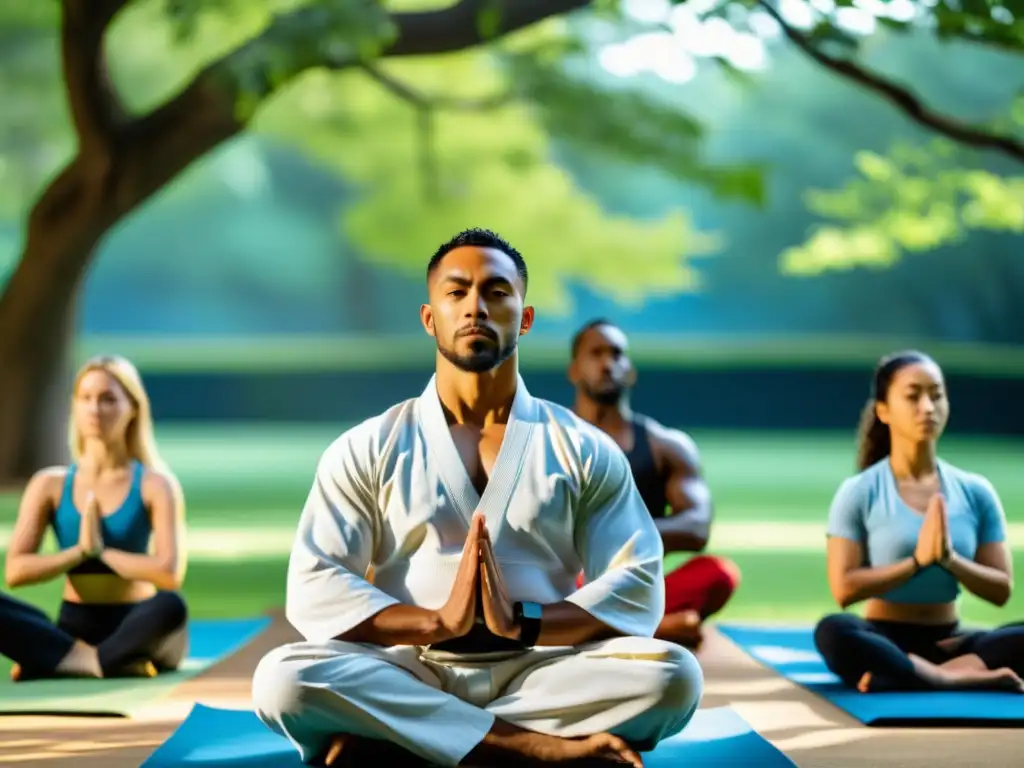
488 19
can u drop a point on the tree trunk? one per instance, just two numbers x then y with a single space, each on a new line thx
37 312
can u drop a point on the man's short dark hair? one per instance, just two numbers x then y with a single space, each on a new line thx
577 339
480 238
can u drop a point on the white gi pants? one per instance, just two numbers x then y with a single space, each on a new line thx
638 688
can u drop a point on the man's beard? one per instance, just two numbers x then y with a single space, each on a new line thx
610 395
483 357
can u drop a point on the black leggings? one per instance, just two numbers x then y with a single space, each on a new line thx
852 646
123 633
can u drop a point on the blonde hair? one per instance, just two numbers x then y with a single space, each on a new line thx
139 437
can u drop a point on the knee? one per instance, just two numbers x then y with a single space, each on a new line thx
683 683
725 574
277 684
828 633
287 680
172 609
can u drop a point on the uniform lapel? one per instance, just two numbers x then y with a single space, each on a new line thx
495 500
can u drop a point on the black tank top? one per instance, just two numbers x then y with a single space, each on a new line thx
650 481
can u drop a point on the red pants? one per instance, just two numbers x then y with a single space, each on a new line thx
703 584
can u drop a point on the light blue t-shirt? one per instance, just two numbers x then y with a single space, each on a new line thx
868 509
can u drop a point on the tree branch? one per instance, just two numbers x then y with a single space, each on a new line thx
905 99
205 114
426 108
431 102
459 26
95 109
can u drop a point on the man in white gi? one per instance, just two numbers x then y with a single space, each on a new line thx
475 506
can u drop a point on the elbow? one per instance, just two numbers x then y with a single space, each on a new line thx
1003 595
171 581
13 575
170 577
844 598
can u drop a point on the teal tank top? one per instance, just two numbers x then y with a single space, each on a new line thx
128 528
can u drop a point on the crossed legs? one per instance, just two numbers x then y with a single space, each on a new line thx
639 689
94 640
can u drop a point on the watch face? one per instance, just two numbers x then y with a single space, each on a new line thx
532 611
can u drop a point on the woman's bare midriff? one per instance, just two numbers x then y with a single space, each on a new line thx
911 613
104 588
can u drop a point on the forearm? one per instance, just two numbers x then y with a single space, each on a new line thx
567 624
134 567
399 625
863 583
24 570
686 531
990 584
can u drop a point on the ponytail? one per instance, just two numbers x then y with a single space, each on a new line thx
873 439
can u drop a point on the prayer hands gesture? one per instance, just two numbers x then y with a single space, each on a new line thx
497 607
478 580
458 614
90 535
933 542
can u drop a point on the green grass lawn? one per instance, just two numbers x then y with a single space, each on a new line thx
772 493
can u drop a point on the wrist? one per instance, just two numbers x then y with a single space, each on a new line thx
526 618
437 629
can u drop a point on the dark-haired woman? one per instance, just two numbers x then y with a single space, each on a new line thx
905 534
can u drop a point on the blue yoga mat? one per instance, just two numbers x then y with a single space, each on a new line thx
232 738
790 651
209 642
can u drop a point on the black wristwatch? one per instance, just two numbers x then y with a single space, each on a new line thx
527 617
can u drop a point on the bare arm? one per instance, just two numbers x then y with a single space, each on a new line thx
165 567
851 581
688 528
24 564
989 576
567 624
399 625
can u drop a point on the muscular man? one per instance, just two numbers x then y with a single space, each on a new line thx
476 505
666 467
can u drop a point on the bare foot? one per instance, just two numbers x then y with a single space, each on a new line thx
1003 679
139 669
682 628
864 684
510 745
973 679
345 751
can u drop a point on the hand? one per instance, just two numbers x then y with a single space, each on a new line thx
459 612
944 543
929 539
90 535
497 607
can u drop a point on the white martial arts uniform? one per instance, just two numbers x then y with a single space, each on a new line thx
394 493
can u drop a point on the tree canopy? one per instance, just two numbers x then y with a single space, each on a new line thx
438 133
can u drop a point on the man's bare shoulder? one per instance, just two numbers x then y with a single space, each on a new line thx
588 438
674 445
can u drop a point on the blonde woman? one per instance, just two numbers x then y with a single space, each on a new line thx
118 516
